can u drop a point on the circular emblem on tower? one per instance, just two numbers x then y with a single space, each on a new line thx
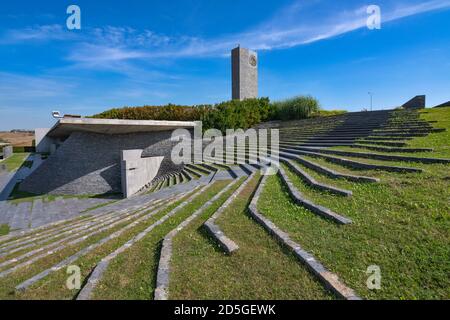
253 60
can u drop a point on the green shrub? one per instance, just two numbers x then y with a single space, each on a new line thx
300 107
236 114
328 113
232 114
169 112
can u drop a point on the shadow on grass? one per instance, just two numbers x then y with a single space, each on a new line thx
156 258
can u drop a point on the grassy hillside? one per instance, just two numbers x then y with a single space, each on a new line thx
401 224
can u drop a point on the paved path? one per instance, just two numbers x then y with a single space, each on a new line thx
39 212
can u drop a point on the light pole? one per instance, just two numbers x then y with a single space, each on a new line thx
371 100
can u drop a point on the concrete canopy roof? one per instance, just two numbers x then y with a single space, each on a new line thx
65 126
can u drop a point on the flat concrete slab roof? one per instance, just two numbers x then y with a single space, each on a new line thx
65 126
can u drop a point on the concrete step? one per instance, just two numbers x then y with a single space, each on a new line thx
313 182
382 157
392 149
21 216
383 143
353 163
325 170
318 144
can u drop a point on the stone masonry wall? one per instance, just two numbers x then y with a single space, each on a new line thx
89 163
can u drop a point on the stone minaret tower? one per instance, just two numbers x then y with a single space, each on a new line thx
244 69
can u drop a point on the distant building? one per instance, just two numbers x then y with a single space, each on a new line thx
244 69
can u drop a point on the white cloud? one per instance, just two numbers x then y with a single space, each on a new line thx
291 26
298 24
413 9
36 33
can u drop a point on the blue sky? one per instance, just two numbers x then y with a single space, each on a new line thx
155 52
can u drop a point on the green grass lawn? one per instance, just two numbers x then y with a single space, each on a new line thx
15 161
439 141
141 260
4 229
260 269
401 224
53 286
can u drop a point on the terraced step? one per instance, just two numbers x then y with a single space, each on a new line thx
388 134
193 173
129 216
187 175
163 274
408 127
318 144
328 139
398 130
383 157
209 167
328 279
72 237
27 242
67 261
199 169
97 274
353 163
228 245
388 138
327 171
295 139
312 182
300 199
383 143
390 149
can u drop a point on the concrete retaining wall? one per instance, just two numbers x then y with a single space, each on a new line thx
89 163
43 143
7 152
136 171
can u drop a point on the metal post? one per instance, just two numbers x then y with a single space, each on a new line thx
371 100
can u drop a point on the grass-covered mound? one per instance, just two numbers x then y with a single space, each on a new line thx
234 114
226 115
300 107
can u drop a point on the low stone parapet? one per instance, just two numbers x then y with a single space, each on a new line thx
137 172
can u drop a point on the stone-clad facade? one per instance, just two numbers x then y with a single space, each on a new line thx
244 69
89 163
418 102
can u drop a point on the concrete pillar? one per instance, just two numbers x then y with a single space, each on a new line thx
244 69
43 143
